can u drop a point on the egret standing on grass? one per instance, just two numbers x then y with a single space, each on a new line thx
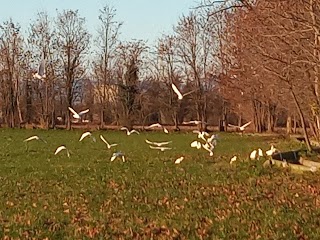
233 159
179 160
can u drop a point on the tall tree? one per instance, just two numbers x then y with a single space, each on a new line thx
10 54
103 66
73 42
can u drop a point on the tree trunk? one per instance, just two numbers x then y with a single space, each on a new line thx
289 125
303 123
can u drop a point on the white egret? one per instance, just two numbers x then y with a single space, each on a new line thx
108 144
160 148
129 132
77 115
241 128
180 95
233 159
35 137
196 144
159 144
116 155
178 160
196 122
201 134
159 126
86 134
271 151
260 153
59 149
253 155
41 73
154 125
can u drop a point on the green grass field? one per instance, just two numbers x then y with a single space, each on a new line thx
43 195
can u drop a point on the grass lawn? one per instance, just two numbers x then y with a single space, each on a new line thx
43 195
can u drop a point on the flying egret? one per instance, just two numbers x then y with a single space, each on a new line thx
180 95
116 155
108 145
160 148
77 115
196 144
59 149
159 126
201 134
159 144
41 73
241 128
86 134
154 125
35 137
178 160
233 159
129 132
196 122
253 155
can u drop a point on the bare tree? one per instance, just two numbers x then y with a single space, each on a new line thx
128 63
103 67
73 42
10 54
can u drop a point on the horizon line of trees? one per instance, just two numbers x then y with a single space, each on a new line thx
244 60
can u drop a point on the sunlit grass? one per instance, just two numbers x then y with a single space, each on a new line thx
87 196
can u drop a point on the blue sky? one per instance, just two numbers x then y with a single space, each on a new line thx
143 19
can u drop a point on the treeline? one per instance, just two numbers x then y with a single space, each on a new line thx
243 60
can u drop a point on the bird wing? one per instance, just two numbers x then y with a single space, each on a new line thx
59 149
246 124
152 147
154 125
149 142
83 112
230 125
185 94
31 138
74 112
134 131
195 144
176 90
104 140
114 156
84 135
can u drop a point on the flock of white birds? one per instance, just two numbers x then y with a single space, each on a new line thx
204 141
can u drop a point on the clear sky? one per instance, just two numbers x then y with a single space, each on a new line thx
143 19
